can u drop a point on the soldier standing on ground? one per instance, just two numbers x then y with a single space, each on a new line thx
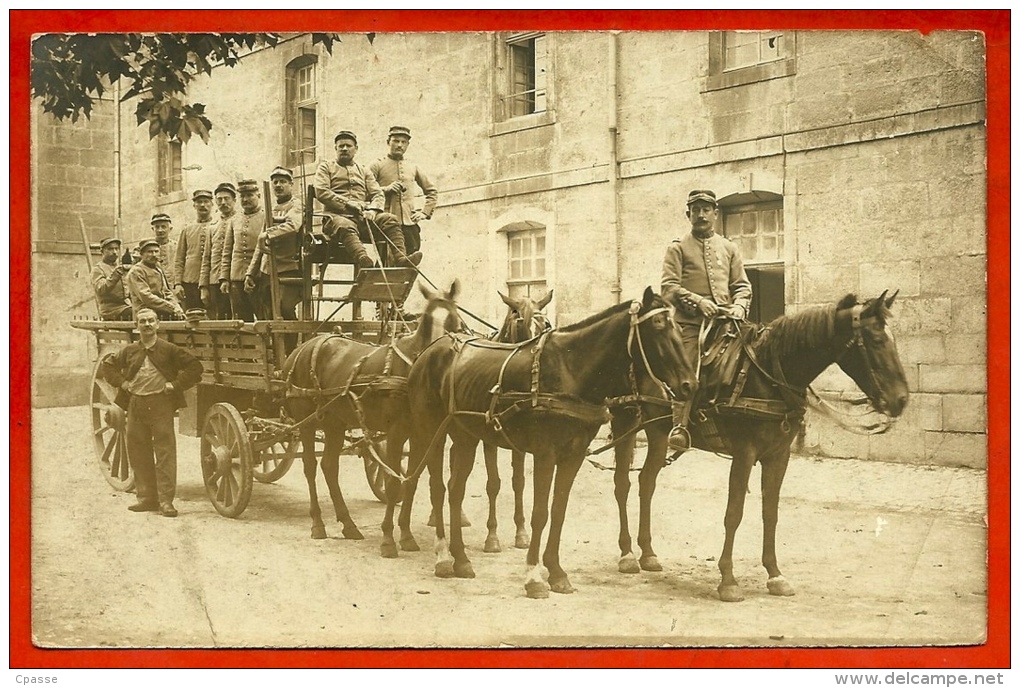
151 376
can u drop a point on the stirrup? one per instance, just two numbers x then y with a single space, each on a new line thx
679 439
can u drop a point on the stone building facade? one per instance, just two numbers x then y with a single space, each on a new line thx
843 161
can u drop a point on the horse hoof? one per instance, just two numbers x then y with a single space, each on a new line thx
779 586
628 564
388 550
730 593
444 569
536 590
650 563
492 545
409 544
561 585
353 533
463 570
318 532
522 541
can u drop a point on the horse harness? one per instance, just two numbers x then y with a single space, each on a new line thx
504 405
354 388
790 410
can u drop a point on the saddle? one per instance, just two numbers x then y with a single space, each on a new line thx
720 358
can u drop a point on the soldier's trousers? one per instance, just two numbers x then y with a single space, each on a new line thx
353 233
242 304
217 306
152 447
192 296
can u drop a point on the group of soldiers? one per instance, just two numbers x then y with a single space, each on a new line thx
226 266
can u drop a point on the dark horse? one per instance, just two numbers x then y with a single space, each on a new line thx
758 422
546 398
335 383
524 321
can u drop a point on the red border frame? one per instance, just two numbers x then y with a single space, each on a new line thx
995 24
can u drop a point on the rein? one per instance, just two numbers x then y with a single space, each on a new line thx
885 422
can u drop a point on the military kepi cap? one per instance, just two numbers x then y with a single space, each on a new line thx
400 131
228 187
201 193
108 241
160 217
701 195
279 171
345 135
247 185
147 243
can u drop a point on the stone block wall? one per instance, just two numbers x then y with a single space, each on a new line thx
875 141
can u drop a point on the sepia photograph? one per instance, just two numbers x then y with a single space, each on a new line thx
517 334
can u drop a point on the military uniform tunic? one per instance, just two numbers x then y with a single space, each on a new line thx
190 247
388 170
696 268
149 288
239 241
111 291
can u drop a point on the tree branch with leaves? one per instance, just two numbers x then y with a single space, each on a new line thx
70 72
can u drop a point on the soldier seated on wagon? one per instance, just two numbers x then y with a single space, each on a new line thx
109 284
149 286
353 201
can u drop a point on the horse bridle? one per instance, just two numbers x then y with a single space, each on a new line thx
635 334
857 340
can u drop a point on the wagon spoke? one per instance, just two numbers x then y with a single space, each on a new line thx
106 452
103 429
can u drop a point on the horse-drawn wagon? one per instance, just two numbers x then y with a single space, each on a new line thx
237 409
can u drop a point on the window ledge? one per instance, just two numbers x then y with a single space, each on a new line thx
172 197
539 119
753 74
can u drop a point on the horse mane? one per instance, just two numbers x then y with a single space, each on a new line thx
598 317
812 328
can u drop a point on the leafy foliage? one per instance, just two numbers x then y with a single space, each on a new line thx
71 71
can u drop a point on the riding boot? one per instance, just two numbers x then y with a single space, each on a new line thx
679 437
355 249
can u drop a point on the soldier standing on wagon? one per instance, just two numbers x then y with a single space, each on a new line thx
352 199
108 281
239 241
162 228
396 175
217 302
191 245
280 244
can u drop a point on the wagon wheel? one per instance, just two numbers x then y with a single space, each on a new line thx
275 460
374 472
226 460
109 432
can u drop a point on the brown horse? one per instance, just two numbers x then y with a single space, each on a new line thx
759 422
546 398
335 383
524 321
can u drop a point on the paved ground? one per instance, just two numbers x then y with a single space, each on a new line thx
879 554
